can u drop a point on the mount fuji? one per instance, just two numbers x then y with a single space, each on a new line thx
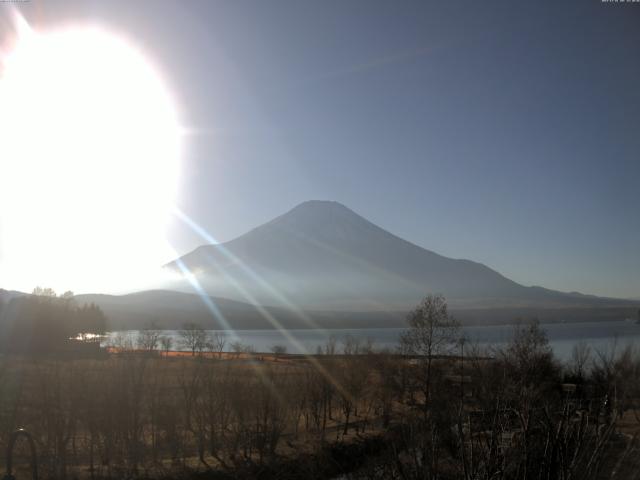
322 255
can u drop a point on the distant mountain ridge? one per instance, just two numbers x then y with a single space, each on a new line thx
322 255
171 310
322 265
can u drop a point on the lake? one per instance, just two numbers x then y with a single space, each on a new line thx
602 336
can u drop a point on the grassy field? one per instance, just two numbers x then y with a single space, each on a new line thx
155 414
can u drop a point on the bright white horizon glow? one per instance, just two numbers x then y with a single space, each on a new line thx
89 162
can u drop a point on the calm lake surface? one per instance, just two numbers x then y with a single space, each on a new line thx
603 336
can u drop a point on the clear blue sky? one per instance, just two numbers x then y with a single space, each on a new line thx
499 131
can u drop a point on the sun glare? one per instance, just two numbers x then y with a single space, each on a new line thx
89 161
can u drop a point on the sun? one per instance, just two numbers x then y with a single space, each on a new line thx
89 161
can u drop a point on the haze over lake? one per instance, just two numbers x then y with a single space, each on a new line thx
601 337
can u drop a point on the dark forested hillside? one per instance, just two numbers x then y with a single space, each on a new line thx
47 323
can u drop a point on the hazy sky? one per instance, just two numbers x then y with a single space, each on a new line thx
503 132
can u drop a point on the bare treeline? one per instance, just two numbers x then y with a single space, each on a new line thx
442 408
508 413
139 414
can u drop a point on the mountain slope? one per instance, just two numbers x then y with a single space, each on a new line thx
323 255
171 310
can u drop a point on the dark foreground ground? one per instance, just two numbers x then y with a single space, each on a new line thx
513 414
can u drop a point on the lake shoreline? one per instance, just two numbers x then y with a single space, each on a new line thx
562 337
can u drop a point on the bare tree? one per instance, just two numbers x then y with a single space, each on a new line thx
278 350
121 341
166 342
238 348
351 345
352 376
44 292
218 341
431 332
149 338
580 355
330 346
193 337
